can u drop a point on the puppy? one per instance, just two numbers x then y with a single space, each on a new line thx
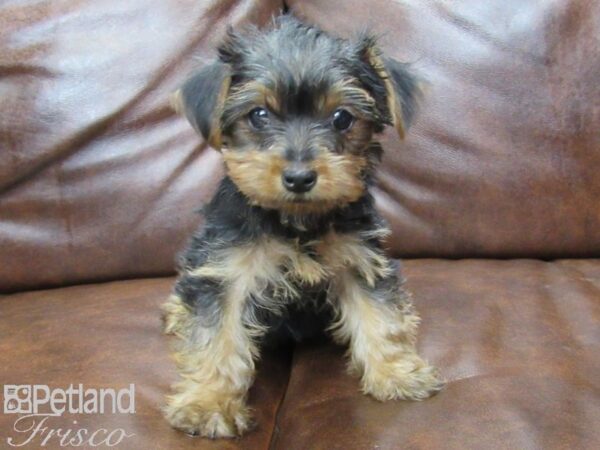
291 242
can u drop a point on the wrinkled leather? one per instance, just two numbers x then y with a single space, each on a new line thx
108 336
518 342
99 179
503 158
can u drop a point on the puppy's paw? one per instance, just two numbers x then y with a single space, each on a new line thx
176 316
407 379
211 421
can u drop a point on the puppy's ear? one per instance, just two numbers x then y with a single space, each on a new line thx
401 89
403 92
201 100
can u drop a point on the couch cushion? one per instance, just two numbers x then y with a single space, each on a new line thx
108 336
504 155
518 341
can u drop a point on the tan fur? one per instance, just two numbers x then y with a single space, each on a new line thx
217 363
217 366
393 103
343 252
215 138
258 93
382 338
177 317
258 175
340 180
176 102
257 172
381 332
344 95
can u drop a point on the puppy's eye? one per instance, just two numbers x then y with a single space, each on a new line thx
342 120
259 118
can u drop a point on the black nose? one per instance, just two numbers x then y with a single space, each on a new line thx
299 180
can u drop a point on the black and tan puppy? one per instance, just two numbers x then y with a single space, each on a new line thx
291 240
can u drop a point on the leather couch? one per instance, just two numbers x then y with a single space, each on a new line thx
493 199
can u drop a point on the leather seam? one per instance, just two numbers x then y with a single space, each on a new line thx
275 430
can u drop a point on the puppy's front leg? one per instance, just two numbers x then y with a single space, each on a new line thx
377 320
216 357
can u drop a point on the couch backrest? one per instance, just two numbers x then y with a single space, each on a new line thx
99 178
504 159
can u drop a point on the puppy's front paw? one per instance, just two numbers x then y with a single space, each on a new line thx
176 316
409 378
209 420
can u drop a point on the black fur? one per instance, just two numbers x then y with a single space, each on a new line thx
239 223
299 63
201 92
406 88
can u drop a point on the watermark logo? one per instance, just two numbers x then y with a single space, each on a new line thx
17 399
37 405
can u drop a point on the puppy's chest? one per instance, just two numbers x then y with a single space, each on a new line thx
272 267
294 267
305 264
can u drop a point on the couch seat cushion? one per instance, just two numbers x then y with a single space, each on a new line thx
108 335
518 341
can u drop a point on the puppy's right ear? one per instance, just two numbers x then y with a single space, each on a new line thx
201 100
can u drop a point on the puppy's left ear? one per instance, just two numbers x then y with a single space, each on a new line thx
401 89
201 100
403 93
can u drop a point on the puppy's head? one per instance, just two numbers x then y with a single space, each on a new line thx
294 111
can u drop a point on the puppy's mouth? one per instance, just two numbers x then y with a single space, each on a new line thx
299 204
300 198
311 197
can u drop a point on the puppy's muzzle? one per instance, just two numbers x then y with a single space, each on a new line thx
299 180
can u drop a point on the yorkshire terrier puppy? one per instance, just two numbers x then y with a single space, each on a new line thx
291 241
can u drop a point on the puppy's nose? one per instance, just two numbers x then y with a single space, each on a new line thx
299 180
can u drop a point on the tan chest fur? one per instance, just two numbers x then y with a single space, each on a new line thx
285 264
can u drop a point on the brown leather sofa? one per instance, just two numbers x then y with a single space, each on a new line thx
493 199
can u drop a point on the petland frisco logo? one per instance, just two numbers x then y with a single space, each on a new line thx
38 404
